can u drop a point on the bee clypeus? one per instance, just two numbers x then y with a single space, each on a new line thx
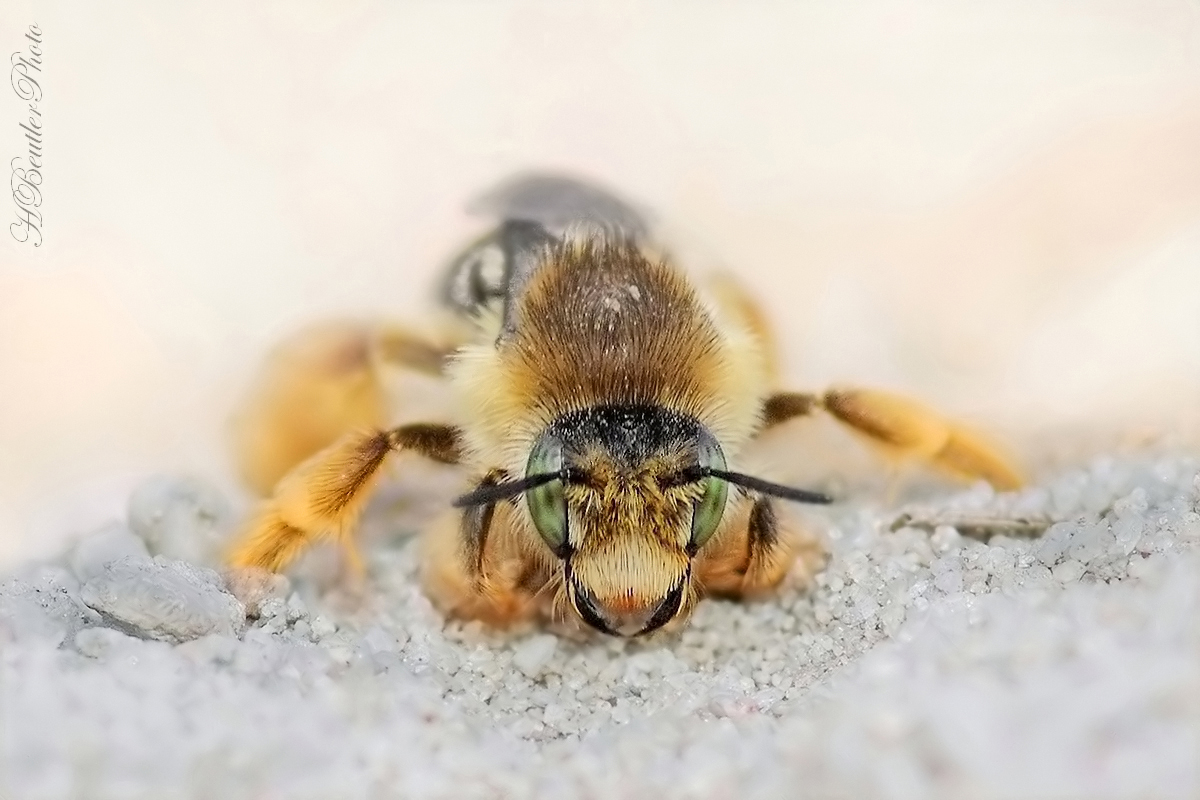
601 403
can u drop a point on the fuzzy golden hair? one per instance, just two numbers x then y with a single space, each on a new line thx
603 322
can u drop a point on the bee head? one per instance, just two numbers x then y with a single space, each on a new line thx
625 496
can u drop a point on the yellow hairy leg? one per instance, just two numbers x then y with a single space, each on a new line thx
905 429
756 552
324 496
475 567
322 383
735 301
898 426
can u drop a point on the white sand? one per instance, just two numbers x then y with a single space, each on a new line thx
921 665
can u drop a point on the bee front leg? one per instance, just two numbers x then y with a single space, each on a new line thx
901 428
756 553
324 496
475 567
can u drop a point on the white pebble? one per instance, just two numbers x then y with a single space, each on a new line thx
323 627
950 582
1068 571
181 517
534 653
101 642
163 599
93 553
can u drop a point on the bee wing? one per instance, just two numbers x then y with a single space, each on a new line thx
534 210
523 243
559 202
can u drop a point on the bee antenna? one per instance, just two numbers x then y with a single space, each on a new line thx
766 487
493 492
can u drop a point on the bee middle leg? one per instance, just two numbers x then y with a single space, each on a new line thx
754 555
320 384
898 427
901 428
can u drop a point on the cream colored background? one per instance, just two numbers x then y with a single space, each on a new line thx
993 205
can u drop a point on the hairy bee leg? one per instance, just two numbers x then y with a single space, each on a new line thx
318 385
401 347
903 429
757 554
470 571
784 406
324 496
737 301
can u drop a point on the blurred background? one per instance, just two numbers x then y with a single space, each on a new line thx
993 206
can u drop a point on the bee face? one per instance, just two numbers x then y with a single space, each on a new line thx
627 511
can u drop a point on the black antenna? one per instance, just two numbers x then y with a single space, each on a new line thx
696 473
491 493
766 487
495 492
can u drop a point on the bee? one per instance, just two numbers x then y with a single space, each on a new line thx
602 403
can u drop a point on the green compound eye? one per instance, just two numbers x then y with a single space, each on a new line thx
547 505
711 506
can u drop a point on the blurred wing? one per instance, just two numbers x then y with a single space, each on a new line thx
534 211
557 202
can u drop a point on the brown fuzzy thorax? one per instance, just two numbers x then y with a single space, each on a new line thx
605 324
600 322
